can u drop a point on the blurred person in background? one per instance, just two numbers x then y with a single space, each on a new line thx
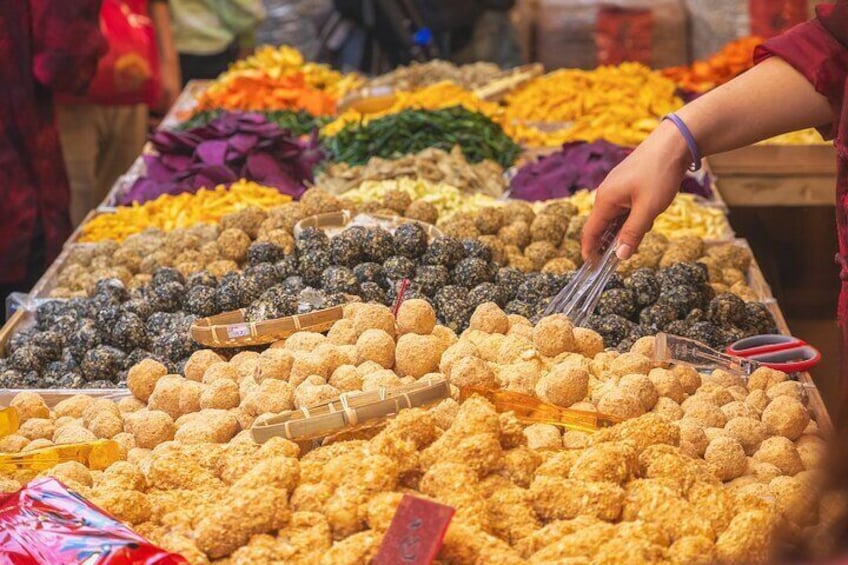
46 46
295 23
375 36
103 132
211 34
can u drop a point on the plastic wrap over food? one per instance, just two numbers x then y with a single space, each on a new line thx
44 523
568 34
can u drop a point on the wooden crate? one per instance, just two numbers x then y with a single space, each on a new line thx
777 175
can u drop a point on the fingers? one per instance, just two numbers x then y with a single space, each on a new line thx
603 214
638 223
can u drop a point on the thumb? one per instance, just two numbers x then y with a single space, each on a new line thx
638 223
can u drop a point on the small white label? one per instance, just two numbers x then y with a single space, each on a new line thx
238 331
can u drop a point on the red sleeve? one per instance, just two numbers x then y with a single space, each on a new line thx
817 49
66 43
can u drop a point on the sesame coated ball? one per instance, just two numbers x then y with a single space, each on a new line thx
416 316
554 335
786 416
489 318
727 458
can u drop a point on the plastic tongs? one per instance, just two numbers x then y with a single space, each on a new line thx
531 410
96 455
683 351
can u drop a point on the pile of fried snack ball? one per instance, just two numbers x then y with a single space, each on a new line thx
703 469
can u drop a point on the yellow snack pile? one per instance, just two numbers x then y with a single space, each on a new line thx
169 212
621 104
809 136
685 216
434 97
446 198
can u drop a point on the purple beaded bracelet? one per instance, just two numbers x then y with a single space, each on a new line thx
690 140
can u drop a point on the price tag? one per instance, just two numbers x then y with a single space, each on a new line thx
416 533
237 331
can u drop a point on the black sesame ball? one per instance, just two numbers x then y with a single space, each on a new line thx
618 301
168 297
10 378
264 252
129 332
682 298
173 346
612 328
378 245
293 285
449 293
111 290
537 286
250 289
228 293
430 278
50 341
693 275
28 358
658 316
56 370
311 266
164 275
19 339
345 250
286 267
471 271
47 313
80 308
398 267
138 306
107 315
372 292
412 291
102 363
727 309
759 319
339 280
201 302
521 308
69 379
311 239
456 315
370 272
615 281
65 325
85 337
705 332
730 334
275 302
677 327
487 292
446 251
645 286
201 278
476 248
334 299
509 279
410 240
264 273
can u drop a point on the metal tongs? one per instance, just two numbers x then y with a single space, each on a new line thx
580 296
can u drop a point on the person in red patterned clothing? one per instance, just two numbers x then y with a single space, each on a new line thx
46 46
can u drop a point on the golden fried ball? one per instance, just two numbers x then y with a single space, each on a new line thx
274 364
761 471
764 378
518 210
12 443
692 550
780 452
758 400
197 364
221 370
71 472
29 405
150 427
692 432
376 345
621 405
445 335
688 377
346 378
416 355
307 364
422 211
106 425
343 332
73 406
382 378
793 389
563 385
739 409
374 316
222 394
471 371
749 432
130 404
707 413
795 500
489 220
72 433
233 244
221 267
667 384
489 318
812 450
142 378
271 396
727 458
668 409
515 233
786 416
543 436
539 253
37 428
587 342
416 316
640 386
554 335
628 363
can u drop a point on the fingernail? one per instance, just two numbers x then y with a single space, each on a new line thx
623 252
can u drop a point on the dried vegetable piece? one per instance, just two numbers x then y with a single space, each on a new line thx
734 58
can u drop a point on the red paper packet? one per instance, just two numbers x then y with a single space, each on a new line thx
44 523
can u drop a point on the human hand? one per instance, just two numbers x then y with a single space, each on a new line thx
639 188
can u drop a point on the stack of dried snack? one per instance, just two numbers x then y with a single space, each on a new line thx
432 164
703 469
419 75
